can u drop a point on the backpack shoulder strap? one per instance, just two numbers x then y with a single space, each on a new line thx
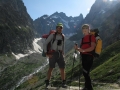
90 37
54 37
81 42
86 42
63 37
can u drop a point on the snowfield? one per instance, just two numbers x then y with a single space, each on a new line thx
37 49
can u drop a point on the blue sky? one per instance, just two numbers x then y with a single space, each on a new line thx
37 8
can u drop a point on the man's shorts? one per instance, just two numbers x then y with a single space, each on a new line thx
57 58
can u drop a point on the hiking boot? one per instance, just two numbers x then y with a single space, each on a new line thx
47 83
64 84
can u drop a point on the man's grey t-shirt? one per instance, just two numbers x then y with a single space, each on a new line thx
54 45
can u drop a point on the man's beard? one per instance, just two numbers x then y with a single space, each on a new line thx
59 32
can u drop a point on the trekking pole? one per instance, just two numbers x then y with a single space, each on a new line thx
79 71
79 76
72 67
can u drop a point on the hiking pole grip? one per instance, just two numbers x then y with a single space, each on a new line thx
76 45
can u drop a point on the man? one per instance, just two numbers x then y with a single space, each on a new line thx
86 49
57 48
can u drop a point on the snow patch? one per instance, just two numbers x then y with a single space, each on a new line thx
65 23
37 49
72 21
54 16
49 22
71 34
18 56
102 11
53 20
45 17
19 27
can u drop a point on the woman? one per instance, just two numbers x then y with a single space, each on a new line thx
88 44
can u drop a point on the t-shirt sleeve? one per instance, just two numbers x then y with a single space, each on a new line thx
93 39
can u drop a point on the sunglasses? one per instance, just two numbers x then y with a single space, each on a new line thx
59 27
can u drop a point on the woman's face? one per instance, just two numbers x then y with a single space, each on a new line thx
85 30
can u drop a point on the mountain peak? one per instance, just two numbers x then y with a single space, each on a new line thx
81 15
59 14
63 14
47 22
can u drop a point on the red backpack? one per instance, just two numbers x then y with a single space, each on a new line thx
49 44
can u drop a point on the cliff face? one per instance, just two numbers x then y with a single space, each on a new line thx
103 15
99 12
16 27
110 28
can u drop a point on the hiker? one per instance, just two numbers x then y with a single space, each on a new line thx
57 54
85 50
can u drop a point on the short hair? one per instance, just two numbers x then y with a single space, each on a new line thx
85 25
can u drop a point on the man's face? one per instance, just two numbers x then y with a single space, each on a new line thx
85 30
59 29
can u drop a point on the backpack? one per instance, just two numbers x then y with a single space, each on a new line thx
98 49
51 42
